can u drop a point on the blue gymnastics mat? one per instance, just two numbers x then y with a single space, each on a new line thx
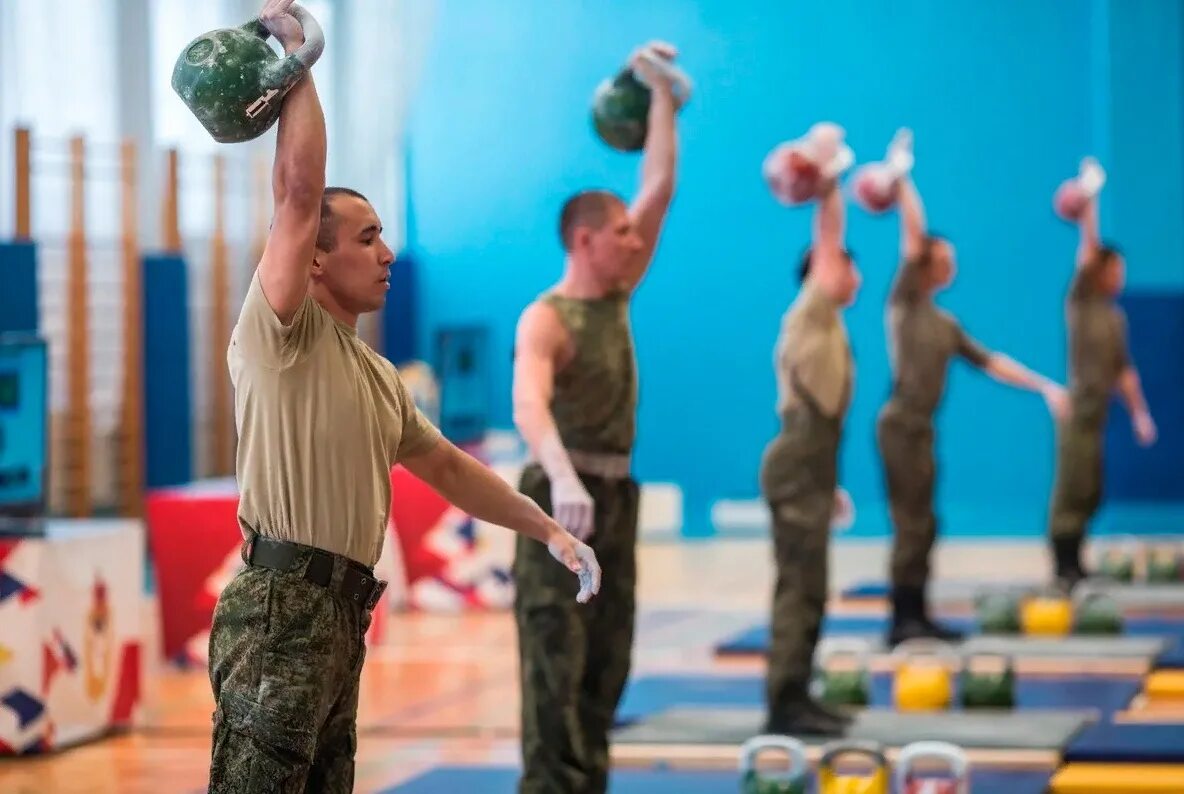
1173 656
755 640
1134 596
646 696
1131 743
504 780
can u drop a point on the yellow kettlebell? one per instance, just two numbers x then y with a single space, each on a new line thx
923 680
831 782
1046 614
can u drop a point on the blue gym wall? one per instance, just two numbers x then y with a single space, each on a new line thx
1004 99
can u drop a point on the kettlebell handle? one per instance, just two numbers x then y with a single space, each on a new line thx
680 81
792 747
925 647
287 71
848 646
839 748
951 754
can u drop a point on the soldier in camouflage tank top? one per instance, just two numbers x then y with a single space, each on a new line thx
575 404
922 341
1099 365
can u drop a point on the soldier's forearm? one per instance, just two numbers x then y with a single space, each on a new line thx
1006 370
1130 387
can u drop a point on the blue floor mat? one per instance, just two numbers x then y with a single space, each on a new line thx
504 780
756 639
1173 657
1128 743
648 695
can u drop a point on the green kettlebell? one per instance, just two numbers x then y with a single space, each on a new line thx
1117 563
842 676
1164 565
988 682
1095 612
234 82
791 781
998 613
621 105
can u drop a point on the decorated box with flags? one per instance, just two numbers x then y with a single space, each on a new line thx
70 634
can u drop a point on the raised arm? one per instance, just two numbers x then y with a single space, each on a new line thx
1091 178
298 179
912 221
538 347
1089 239
659 162
830 217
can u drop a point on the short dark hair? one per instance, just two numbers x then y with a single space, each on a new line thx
928 243
327 234
586 208
808 257
1108 251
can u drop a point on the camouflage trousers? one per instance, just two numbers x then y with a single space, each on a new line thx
798 479
285 659
574 658
1077 488
910 471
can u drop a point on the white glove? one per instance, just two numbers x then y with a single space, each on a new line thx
1145 430
572 506
1091 177
900 153
579 559
843 515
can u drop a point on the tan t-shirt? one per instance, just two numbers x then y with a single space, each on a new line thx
813 348
321 420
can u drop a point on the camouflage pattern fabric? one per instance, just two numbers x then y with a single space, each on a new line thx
574 658
1098 353
922 340
595 394
905 442
285 660
799 474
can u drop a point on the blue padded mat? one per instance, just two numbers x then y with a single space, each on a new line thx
1128 743
756 639
1173 657
648 695
504 780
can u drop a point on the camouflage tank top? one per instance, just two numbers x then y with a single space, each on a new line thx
595 394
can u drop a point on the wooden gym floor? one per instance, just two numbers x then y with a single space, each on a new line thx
442 689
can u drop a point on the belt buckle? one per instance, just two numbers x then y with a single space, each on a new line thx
379 587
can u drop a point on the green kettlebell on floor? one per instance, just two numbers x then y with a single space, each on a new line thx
988 682
998 613
234 82
842 676
792 781
1095 612
1117 560
1164 565
621 105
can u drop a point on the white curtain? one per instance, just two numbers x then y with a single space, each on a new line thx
383 45
59 78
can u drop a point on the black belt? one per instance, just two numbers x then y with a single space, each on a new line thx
357 584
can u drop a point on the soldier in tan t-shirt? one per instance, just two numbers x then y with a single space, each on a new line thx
799 468
321 420
923 340
1099 365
